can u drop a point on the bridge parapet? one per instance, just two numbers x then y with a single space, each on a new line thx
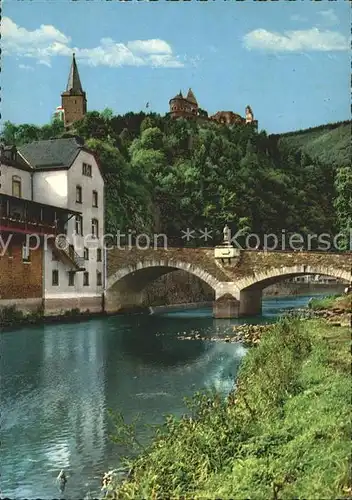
252 262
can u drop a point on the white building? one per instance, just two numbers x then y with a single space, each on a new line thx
317 278
16 174
67 175
59 114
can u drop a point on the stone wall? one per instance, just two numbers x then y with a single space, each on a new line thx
74 106
178 287
58 306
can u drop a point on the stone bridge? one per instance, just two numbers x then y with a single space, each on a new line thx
237 282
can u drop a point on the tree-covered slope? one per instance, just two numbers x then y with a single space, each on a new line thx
329 144
166 176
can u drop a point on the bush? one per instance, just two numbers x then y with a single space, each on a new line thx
10 316
322 303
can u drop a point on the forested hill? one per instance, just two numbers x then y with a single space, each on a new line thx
329 144
166 176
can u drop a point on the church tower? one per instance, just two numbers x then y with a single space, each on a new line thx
73 100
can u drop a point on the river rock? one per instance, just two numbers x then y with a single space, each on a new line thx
249 334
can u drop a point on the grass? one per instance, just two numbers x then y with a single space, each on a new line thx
343 302
285 432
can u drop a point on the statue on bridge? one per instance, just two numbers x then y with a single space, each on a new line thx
227 235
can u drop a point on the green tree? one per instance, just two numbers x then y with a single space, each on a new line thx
343 203
128 202
148 122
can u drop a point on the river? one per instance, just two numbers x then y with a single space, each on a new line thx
58 380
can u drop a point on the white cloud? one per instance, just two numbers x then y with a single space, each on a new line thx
155 46
20 36
328 17
164 61
44 62
296 41
46 42
108 53
26 67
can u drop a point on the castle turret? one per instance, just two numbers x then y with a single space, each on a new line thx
73 100
192 104
186 107
191 97
176 103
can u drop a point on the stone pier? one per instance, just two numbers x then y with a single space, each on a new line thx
226 307
250 302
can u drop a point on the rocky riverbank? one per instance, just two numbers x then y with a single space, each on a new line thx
251 334
247 334
338 315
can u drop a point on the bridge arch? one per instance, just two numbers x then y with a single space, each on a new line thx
124 288
262 279
160 268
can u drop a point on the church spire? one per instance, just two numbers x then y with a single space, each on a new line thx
74 99
74 83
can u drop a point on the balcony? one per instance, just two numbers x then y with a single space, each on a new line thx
25 216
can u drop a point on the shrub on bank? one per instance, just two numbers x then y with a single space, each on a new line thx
333 302
284 433
318 304
10 316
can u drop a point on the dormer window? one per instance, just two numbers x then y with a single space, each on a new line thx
16 186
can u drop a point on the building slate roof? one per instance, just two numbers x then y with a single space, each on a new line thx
54 153
9 156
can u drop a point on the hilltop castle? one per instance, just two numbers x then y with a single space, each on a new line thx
187 107
74 105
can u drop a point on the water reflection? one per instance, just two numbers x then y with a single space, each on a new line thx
154 342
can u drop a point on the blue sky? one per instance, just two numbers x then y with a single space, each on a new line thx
288 60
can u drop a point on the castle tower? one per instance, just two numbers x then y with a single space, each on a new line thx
73 100
192 102
186 107
176 103
191 97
